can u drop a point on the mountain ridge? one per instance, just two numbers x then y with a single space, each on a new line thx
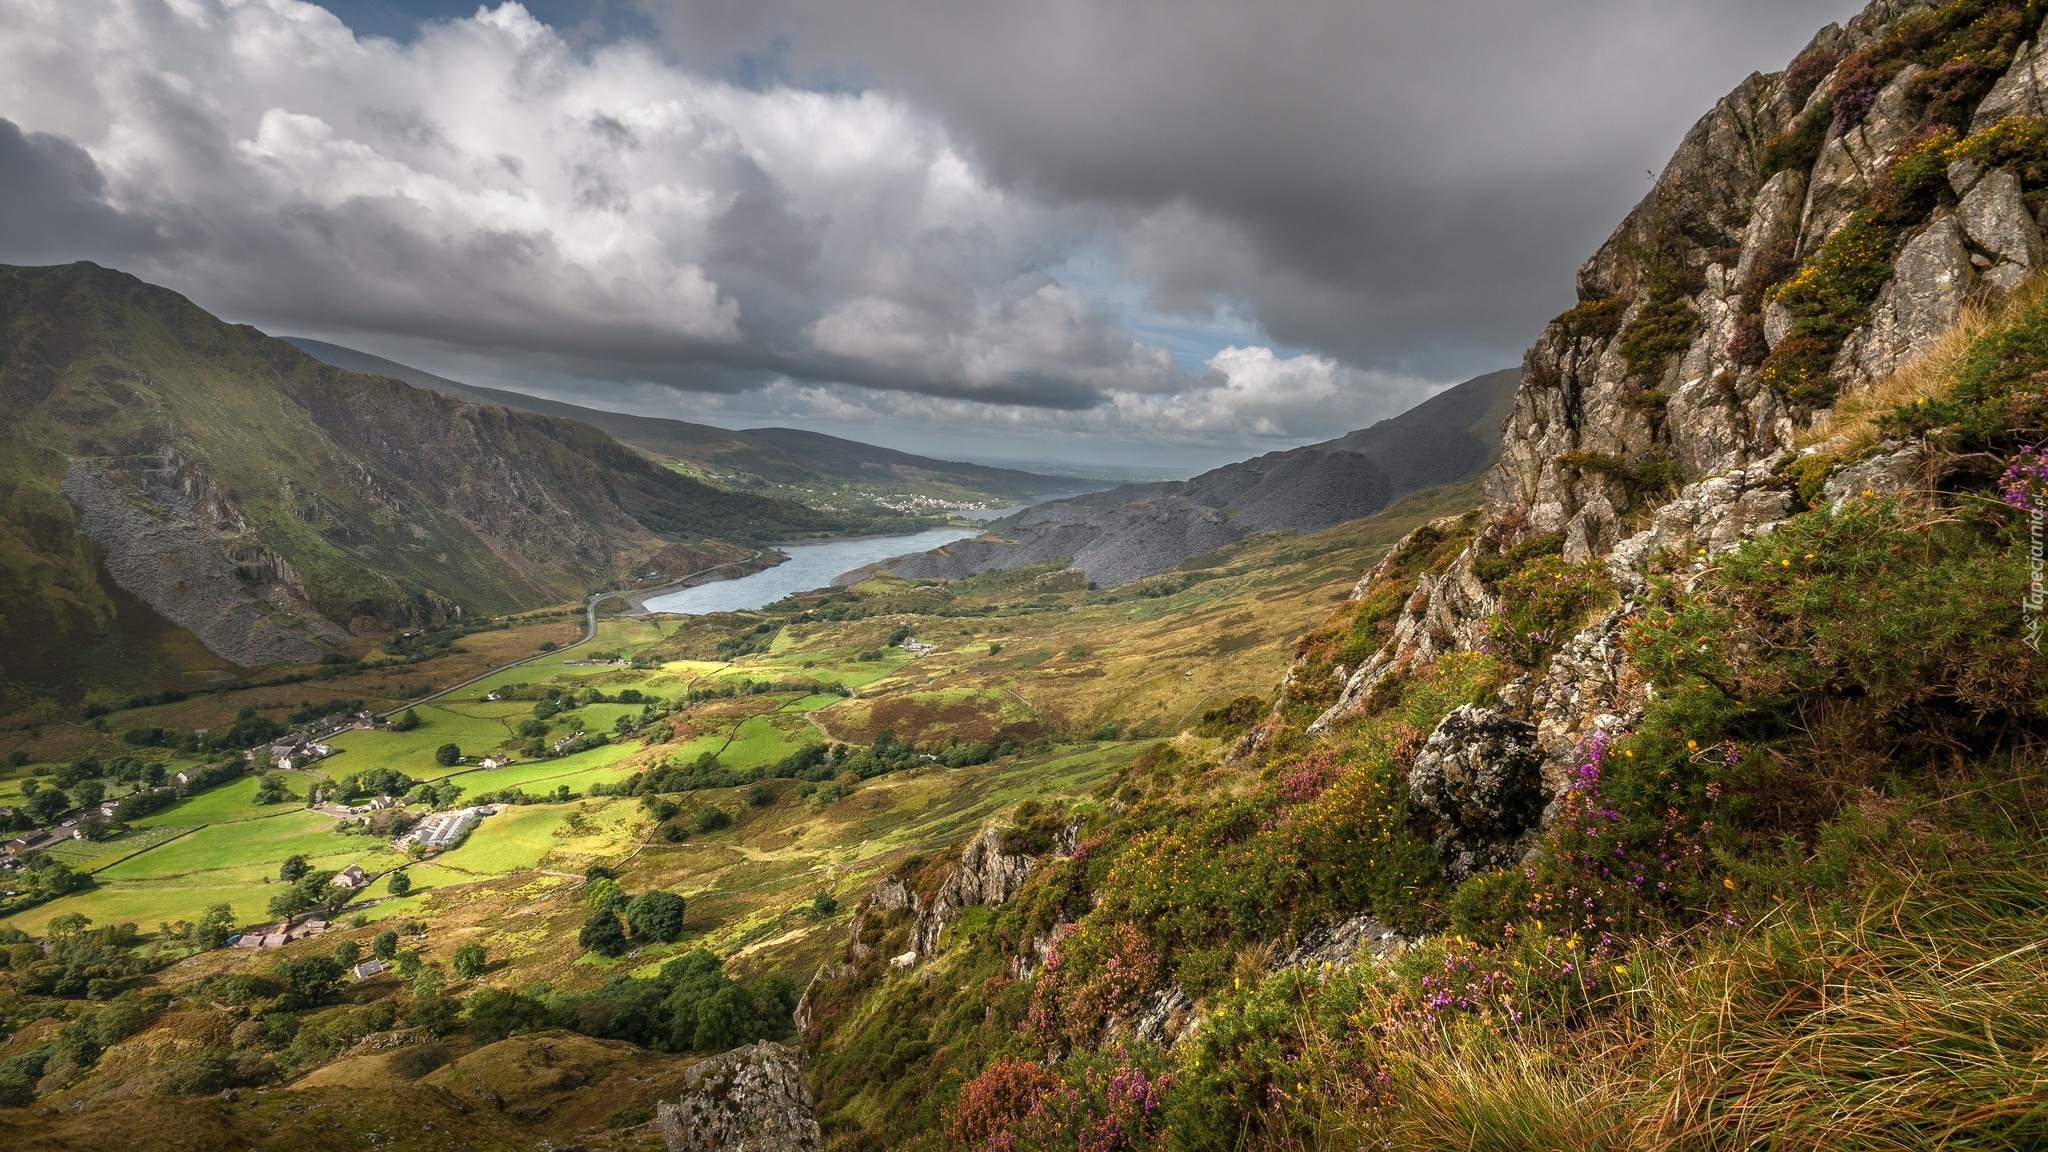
784 455
274 505
1138 530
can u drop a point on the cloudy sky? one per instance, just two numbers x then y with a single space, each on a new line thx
1136 233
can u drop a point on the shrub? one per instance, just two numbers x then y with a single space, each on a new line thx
469 960
1829 298
601 934
656 915
1543 604
710 818
1600 319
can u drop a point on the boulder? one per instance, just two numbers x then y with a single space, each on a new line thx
751 1099
1477 784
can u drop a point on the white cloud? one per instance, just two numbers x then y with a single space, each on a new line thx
494 191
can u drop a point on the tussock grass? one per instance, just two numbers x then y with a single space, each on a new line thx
1912 1017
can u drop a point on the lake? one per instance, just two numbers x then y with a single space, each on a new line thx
809 566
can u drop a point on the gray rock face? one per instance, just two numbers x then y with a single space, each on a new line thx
1163 1017
751 1099
1841 178
985 875
1339 944
172 539
1931 279
1885 474
1478 783
2022 91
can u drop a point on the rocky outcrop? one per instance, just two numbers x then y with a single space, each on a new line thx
1339 944
1590 451
1931 279
2022 91
986 875
751 1099
171 539
1477 785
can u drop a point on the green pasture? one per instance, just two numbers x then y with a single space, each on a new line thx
249 850
516 838
229 803
87 855
147 904
413 752
529 773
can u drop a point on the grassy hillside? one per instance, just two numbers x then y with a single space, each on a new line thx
806 466
384 503
1062 685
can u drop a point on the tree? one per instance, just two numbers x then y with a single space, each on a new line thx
447 755
710 819
347 953
307 981
46 806
604 895
469 960
601 934
406 722
215 925
384 945
271 789
495 1014
292 870
87 793
657 915
399 884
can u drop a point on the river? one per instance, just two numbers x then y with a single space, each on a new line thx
809 566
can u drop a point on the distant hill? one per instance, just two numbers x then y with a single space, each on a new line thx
166 477
776 456
1138 530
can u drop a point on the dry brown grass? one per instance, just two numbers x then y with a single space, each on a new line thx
1851 431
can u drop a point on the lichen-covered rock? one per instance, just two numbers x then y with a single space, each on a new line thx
1713 515
2022 91
1996 219
1163 1017
1477 784
1338 944
985 875
1882 475
1930 281
751 1099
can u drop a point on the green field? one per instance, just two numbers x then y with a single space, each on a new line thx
230 802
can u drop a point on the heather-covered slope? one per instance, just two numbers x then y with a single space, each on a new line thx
1139 530
267 503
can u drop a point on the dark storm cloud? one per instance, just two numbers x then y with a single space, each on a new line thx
1390 182
52 202
970 215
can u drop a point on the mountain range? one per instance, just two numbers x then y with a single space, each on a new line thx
774 458
1139 530
169 476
